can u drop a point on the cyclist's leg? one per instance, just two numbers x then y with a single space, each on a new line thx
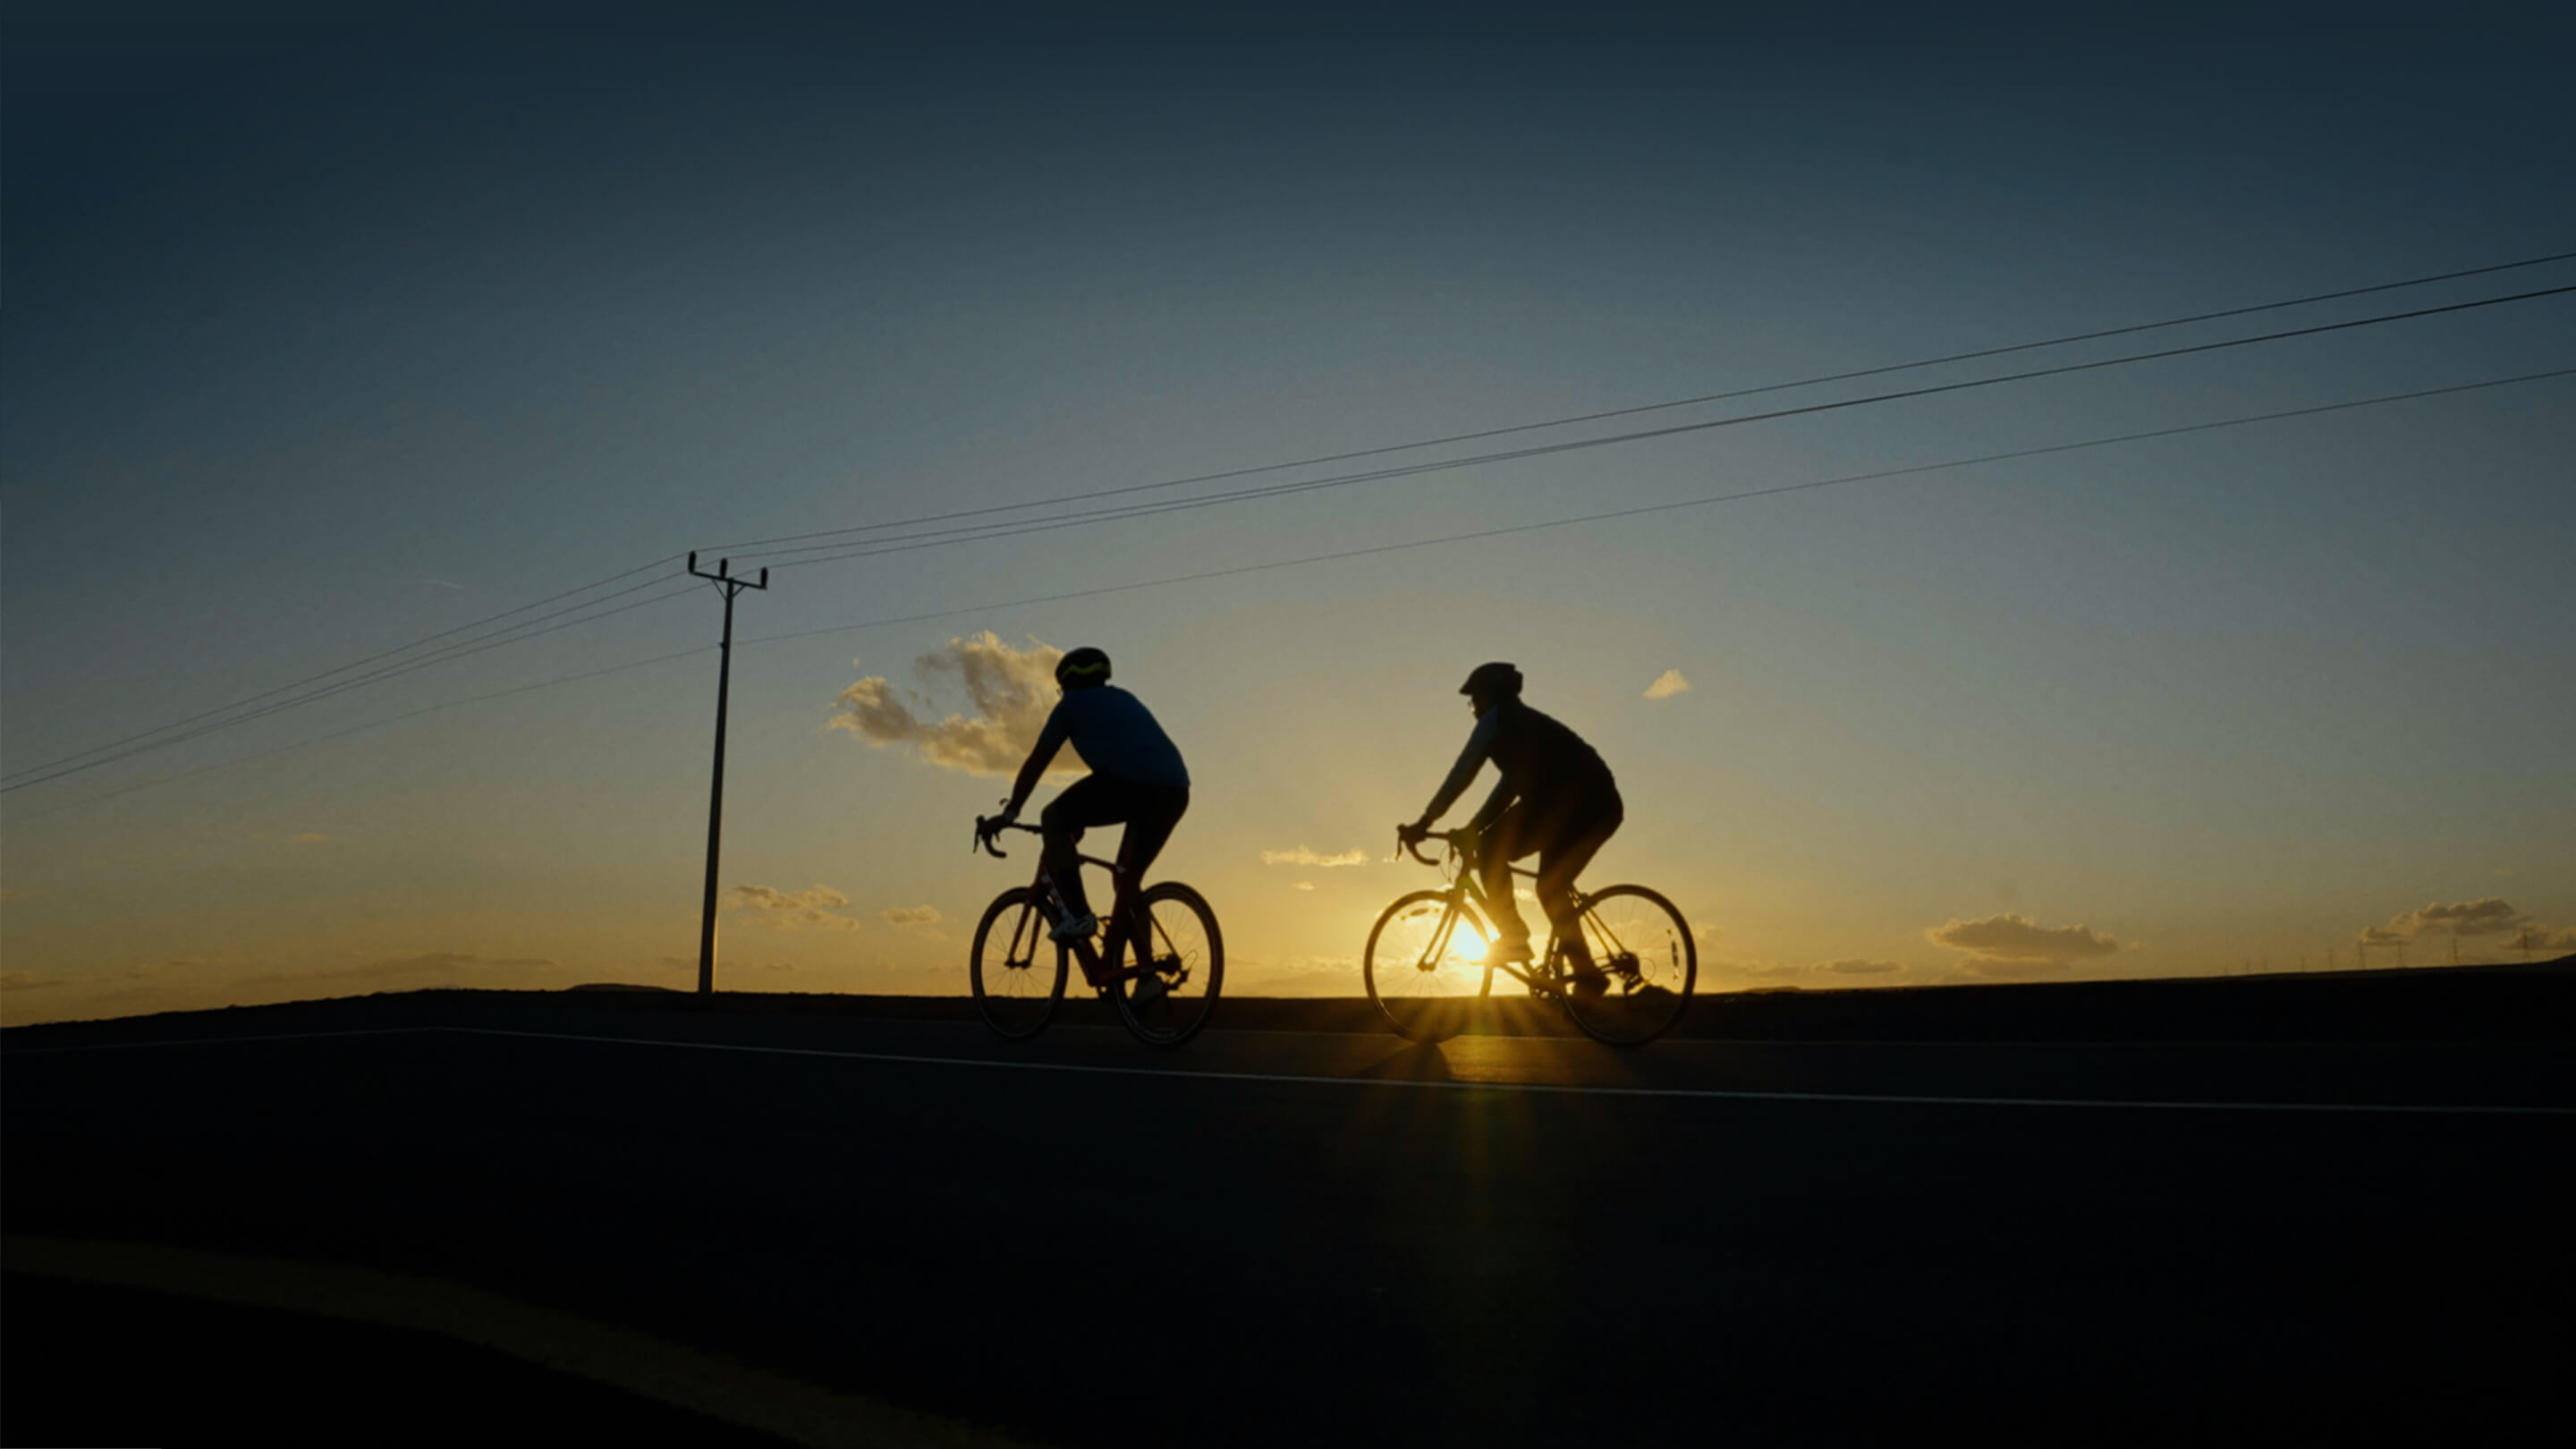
1086 802
1506 840
1581 831
1152 811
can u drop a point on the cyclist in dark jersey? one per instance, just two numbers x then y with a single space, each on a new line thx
1136 777
1556 798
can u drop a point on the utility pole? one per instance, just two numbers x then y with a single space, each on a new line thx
723 578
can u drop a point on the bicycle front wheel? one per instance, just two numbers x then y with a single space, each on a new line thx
1644 946
1018 973
1184 957
1425 965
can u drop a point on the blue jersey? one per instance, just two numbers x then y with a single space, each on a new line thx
1115 734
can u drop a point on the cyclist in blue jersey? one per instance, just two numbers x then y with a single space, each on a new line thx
1555 799
1136 777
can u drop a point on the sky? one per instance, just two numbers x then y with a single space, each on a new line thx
321 336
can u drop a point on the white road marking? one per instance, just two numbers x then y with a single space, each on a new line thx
1293 1079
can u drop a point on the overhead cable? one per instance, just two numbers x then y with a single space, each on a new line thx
1630 411
943 538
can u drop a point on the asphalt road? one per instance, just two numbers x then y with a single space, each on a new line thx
1282 1238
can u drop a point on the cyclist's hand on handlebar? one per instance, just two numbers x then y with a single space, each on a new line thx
1412 834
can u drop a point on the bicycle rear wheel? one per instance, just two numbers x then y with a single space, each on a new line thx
1017 971
1184 954
1645 948
1425 965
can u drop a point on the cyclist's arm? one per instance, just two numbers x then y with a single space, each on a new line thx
1050 740
1493 807
1479 745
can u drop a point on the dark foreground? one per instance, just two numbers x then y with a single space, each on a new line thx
1333 1237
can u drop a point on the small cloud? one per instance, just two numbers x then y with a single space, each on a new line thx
28 981
2014 945
2486 917
1011 690
309 837
443 584
1303 885
1668 684
1302 856
790 909
909 915
2024 970
1855 966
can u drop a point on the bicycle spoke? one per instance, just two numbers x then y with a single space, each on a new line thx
1644 948
1426 964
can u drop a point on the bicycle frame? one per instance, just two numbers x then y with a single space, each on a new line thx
1542 978
1084 951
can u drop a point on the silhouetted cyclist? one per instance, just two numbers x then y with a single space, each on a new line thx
1136 777
1556 798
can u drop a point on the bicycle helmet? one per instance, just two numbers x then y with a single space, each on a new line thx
1082 668
1493 681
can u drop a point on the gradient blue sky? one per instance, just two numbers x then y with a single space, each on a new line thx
319 335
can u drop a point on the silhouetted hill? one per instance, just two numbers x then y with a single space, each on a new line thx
2535 1002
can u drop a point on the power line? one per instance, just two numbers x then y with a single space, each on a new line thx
452 652
61 768
876 548
1700 502
344 668
362 729
1631 411
49 770
1647 509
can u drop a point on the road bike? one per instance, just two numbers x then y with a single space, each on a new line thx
1429 959
1018 968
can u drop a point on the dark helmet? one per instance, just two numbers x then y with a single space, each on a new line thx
1082 669
1493 681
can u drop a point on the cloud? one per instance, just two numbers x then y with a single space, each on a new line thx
1011 691
2014 945
310 837
1855 966
1302 856
1303 885
2017 970
788 910
1668 684
2486 917
28 981
910 915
